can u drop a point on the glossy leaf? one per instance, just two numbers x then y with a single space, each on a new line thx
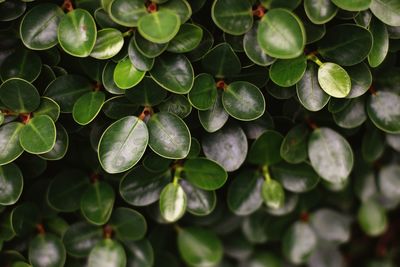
11 184
281 34
128 224
214 118
204 92
140 187
204 173
47 250
38 135
273 194
138 59
244 193
187 39
331 225
38 28
228 147
309 91
108 253
48 107
294 146
299 242
9 142
361 79
19 95
199 202
297 178
97 203
243 101
147 48
168 135
24 64
388 11
77 33
356 5
334 80
199 247
232 16
346 44
108 43
380 44
123 144
383 109
265 150
372 218
60 147
127 13
159 27
87 107
320 12
126 75
353 115
253 49
146 93
221 61
173 202
287 72
81 237
174 73
330 154
180 7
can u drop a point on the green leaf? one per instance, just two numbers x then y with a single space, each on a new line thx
48 107
174 73
159 27
11 9
353 115
361 79
23 63
126 75
287 72
169 136
330 154
232 16
10 148
38 135
127 12
199 247
67 89
309 92
147 48
228 147
205 45
281 34
372 218
337 223
176 104
199 202
187 39
383 109
273 194
244 193
265 150
243 101
334 80
24 218
128 224
87 107
388 181
38 28
138 59
204 92
264 259
66 189
253 49
179 7
354 5
97 203
108 43
380 44
77 33
11 184
297 178
204 173
155 163
19 95
139 253
60 147
173 202
46 250
108 79
81 237
122 144
140 187
320 12
214 118
299 242
388 11
346 44
107 253
294 146
221 61
118 107
146 93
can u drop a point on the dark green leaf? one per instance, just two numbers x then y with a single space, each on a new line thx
320 12
46 250
127 13
214 118
265 150
19 95
204 173
11 184
128 224
199 202
372 218
87 107
10 148
107 253
204 92
383 109
187 39
80 238
232 16
23 63
299 242
38 135
294 145
159 27
221 61
387 11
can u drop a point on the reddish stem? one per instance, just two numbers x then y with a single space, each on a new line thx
97 87
372 90
311 124
94 177
40 229
152 7
259 11
147 111
107 231
221 85
304 216
67 5
25 117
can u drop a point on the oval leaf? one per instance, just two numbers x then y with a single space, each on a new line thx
172 202
204 173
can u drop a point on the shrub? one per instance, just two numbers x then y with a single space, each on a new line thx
199 133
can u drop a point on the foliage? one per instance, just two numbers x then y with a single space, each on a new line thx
200 133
